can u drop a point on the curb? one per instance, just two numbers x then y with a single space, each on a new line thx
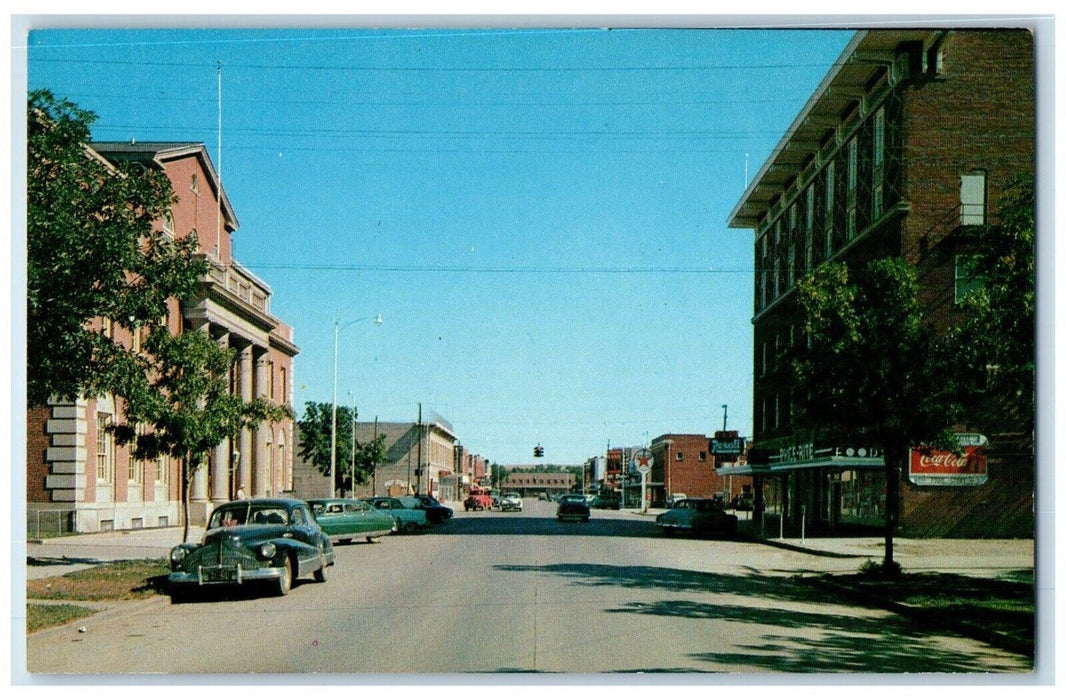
806 550
931 619
103 609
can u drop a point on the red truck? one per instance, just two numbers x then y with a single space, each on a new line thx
479 499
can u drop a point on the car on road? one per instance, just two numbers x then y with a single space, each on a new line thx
408 518
478 499
607 501
344 519
698 516
573 506
269 540
436 513
510 501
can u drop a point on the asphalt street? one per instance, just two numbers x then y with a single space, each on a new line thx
519 592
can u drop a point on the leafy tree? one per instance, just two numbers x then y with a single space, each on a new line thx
186 409
93 252
867 374
316 429
990 356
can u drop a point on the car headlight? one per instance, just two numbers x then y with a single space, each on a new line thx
177 554
267 550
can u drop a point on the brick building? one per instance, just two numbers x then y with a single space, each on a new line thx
683 463
534 483
419 458
910 139
78 479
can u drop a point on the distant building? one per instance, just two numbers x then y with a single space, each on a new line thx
534 483
907 144
418 459
683 463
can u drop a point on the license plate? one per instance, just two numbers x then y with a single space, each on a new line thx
220 574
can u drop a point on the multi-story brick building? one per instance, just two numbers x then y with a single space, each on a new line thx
910 140
683 463
534 483
78 479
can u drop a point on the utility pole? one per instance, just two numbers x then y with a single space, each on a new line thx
419 489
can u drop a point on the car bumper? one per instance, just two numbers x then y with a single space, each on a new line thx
224 575
573 516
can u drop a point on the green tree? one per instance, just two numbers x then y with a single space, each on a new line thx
867 373
185 410
316 429
990 356
93 251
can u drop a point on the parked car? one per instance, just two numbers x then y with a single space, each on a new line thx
742 501
573 506
478 499
344 519
436 512
408 519
674 499
607 501
698 516
271 540
510 501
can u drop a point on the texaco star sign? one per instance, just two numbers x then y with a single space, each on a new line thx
643 461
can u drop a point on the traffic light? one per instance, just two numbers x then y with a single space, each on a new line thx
538 451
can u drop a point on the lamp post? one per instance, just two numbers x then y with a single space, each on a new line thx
337 327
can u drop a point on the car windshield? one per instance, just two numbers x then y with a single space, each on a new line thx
244 513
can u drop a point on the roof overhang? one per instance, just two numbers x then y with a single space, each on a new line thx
867 52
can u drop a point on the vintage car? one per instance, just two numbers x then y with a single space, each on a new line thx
573 506
478 499
344 519
510 501
698 516
436 512
271 540
408 519
607 501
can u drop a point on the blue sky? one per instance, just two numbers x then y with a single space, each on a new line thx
539 215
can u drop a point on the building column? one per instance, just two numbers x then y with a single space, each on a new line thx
199 505
245 460
220 486
261 481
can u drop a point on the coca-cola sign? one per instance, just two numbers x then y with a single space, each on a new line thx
932 467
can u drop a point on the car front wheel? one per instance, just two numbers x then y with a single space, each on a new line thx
284 582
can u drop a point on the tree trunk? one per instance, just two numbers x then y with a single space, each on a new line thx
893 464
186 495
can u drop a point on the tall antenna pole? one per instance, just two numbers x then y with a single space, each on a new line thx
218 218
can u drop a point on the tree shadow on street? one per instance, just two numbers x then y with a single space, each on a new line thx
794 628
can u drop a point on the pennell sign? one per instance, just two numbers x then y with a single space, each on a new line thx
930 467
727 446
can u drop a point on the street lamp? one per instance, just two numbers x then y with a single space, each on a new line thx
337 327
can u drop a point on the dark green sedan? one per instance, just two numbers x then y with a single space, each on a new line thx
344 519
268 540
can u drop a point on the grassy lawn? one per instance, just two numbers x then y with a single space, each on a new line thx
1004 605
124 580
40 616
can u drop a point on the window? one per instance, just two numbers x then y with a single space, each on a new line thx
168 222
194 183
830 185
966 280
972 199
853 181
703 456
809 233
879 138
162 469
107 327
679 456
135 467
105 465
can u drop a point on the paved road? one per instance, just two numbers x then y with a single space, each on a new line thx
520 592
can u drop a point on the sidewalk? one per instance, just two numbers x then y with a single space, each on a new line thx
61 555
